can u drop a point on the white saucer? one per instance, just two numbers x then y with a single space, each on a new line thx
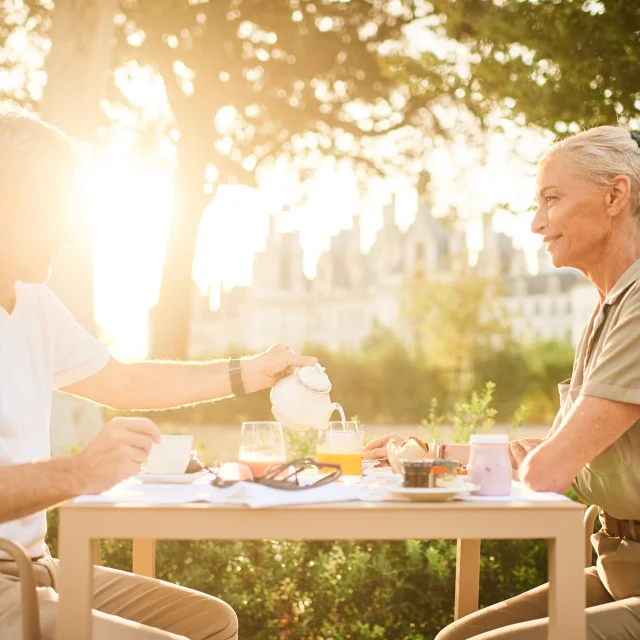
181 478
380 471
436 494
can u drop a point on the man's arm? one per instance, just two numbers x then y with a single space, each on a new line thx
164 385
592 425
36 486
114 454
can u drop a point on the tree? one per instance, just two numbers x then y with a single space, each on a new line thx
251 81
77 70
20 22
558 64
455 322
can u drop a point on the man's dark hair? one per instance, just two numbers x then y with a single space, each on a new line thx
27 140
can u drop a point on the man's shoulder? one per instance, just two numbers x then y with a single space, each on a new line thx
35 293
38 299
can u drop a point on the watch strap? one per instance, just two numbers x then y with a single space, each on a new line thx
235 374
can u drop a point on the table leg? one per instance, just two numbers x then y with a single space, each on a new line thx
144 557
96 557
75 586
567 588
467 577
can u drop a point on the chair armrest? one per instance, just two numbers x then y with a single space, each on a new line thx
28 592
590 516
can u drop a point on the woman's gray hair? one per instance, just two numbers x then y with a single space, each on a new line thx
602 153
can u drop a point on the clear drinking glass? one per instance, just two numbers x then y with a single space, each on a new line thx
261 445
339 442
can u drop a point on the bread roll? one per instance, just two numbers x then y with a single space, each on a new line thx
410 449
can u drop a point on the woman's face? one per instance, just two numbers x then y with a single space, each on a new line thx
571 215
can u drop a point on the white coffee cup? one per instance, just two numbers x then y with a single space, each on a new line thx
170 456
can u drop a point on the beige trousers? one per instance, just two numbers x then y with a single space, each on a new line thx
612 600
126 607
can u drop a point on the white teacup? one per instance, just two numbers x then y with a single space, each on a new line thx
170 456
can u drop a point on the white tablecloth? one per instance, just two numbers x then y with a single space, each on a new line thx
257 496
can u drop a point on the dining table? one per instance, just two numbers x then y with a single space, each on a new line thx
146 513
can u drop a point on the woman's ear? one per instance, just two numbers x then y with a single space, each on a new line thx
618 195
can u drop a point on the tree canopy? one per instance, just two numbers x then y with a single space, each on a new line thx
255 79
557 64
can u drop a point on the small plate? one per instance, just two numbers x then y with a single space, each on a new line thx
436 494
380 471
181 478
369 463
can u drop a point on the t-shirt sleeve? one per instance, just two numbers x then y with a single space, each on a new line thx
616 373
77 354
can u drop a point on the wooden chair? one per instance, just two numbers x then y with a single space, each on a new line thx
28 593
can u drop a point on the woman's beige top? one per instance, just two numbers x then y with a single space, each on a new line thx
607 365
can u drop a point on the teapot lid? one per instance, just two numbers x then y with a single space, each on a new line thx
313 379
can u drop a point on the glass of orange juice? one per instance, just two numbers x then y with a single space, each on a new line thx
261 445
339 443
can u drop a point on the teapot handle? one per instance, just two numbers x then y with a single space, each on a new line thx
317 364
295 353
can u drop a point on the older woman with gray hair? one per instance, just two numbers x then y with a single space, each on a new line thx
588 214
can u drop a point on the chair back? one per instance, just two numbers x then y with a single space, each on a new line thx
28 592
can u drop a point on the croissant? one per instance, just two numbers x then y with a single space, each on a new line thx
410 449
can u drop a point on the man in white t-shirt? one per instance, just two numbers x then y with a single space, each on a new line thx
42 348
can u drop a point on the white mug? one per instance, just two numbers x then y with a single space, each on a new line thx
170 456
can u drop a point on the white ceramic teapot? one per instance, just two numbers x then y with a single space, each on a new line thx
301 401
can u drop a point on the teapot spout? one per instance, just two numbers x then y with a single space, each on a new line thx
325 413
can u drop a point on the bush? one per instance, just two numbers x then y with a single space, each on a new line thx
384 383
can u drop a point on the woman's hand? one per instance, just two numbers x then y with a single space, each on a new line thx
519 450
377 449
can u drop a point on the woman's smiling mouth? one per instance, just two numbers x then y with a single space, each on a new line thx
550 240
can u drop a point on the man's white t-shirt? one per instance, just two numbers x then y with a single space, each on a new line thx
42 348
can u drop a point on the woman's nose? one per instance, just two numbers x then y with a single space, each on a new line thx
539 221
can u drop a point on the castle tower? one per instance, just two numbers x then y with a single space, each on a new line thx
458 260
489 258
389 213
544 261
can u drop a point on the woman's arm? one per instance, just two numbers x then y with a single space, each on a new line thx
592 425
518 449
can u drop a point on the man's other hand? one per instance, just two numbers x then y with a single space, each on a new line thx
116 453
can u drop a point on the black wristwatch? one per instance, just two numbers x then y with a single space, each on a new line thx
235 373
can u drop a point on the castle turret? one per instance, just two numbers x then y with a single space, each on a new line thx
389 213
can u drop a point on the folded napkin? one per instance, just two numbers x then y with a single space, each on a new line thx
244 493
